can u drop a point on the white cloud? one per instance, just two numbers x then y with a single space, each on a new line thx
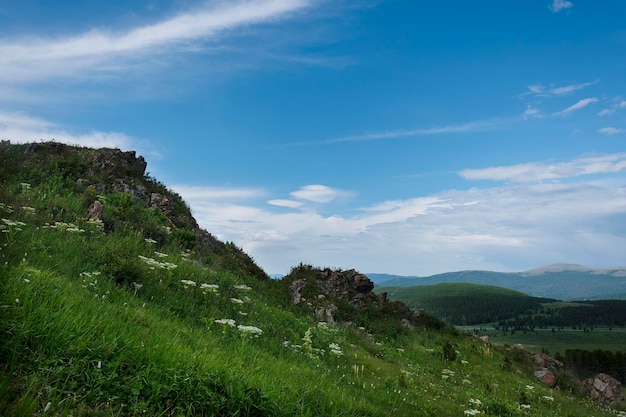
617 104
611 130
571 218
532 113
285 203
558 5
316 193
525 225
578 105
538 171
542 91
216 193
20 128
102 50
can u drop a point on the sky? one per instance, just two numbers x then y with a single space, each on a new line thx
388 136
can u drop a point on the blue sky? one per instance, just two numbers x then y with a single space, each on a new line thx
405 137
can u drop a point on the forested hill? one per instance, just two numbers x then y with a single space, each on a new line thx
472 304
466 304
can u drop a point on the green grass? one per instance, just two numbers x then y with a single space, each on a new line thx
559 341
90 327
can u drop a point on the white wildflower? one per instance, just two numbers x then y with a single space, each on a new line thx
160 254
242 287
17 301
47 407
210 287
525 406
229 322
150 240
548 398
250 330
236 301
475 401
188 282
530 387
152 263
335 349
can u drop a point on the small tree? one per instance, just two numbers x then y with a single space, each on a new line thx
449 351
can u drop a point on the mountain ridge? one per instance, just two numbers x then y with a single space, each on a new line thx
559 281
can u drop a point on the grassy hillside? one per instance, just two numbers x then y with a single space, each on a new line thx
139 312
465 304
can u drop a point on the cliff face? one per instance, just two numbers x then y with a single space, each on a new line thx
93 173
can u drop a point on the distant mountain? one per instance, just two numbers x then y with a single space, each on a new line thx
559 281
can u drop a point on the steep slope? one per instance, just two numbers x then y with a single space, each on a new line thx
114 303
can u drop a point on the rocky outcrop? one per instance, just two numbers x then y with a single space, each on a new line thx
546 377
546 361
95 211
603 388
322 290
548 368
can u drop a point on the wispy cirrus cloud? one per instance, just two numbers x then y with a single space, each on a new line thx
543 91
577 106
285 203
617 104
540 171
558 5
111 51
611 130
475 126
532 113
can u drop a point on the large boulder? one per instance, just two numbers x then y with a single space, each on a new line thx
546 377
603 388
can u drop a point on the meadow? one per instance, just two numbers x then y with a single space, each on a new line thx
559 340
